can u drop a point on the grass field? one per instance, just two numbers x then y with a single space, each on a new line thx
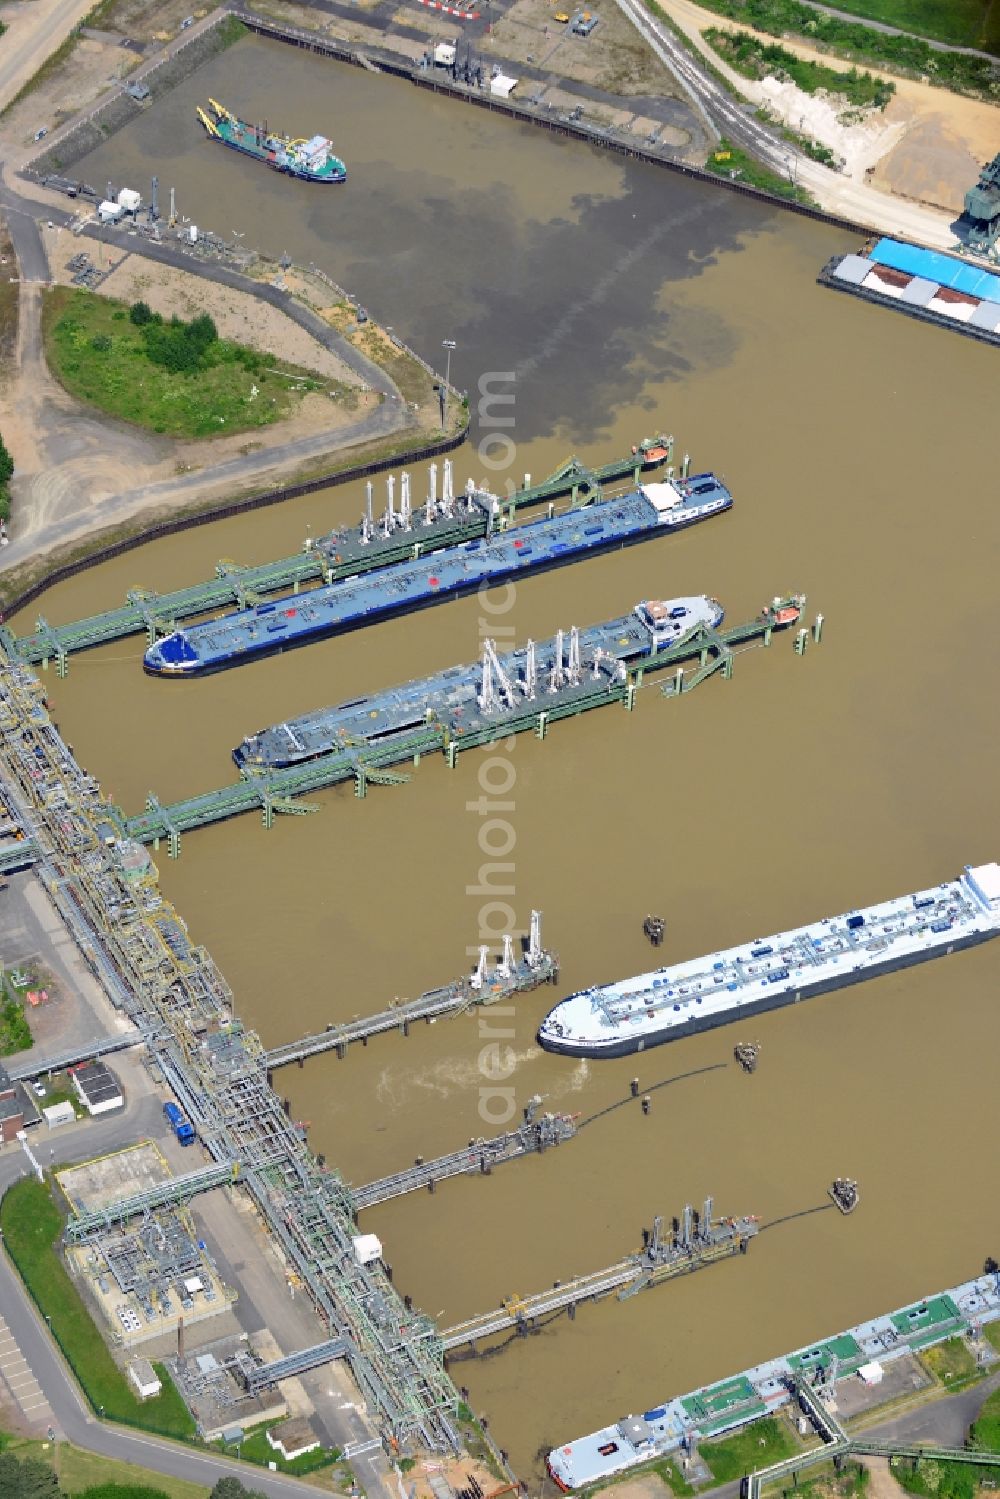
765 1442
963 23
931 1478
15 1033
985 1430
852 39
78 1470
951 1362
102 358
257 1449
755 58
31 1225
728 160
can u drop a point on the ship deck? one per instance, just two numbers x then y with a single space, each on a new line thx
701 988
404 585
635 516
452 697
744 1397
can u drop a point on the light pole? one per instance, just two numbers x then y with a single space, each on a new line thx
449 344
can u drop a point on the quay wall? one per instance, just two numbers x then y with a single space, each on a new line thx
217 32
172 526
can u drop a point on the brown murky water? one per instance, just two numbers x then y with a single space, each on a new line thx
856 443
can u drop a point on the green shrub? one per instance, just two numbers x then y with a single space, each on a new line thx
755 58
955 70
121 1491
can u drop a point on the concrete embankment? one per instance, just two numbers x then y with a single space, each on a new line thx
210 37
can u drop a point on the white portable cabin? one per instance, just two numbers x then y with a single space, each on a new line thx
367 1247
502 85
145 1378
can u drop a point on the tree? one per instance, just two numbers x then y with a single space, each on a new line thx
6 463
201 331
31 1479
101 343
140 313
232 1488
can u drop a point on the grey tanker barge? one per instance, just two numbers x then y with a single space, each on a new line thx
461 700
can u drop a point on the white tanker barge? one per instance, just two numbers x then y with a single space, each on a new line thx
612 1020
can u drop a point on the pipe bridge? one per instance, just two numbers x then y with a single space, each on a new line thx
164 1194
511 976
535 1135
259 1378
697 1239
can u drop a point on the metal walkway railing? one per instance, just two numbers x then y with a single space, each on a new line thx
178 1189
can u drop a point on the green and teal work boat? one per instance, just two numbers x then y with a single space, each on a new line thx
313 159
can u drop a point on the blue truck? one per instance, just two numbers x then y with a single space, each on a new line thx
181 1126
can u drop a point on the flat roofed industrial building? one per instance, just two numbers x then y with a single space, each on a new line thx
97 1088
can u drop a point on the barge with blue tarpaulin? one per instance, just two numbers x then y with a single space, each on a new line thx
681 1422
927 284
397 535
247 634
613 1020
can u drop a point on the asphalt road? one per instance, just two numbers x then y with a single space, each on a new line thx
943 1422
27 240
35 47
